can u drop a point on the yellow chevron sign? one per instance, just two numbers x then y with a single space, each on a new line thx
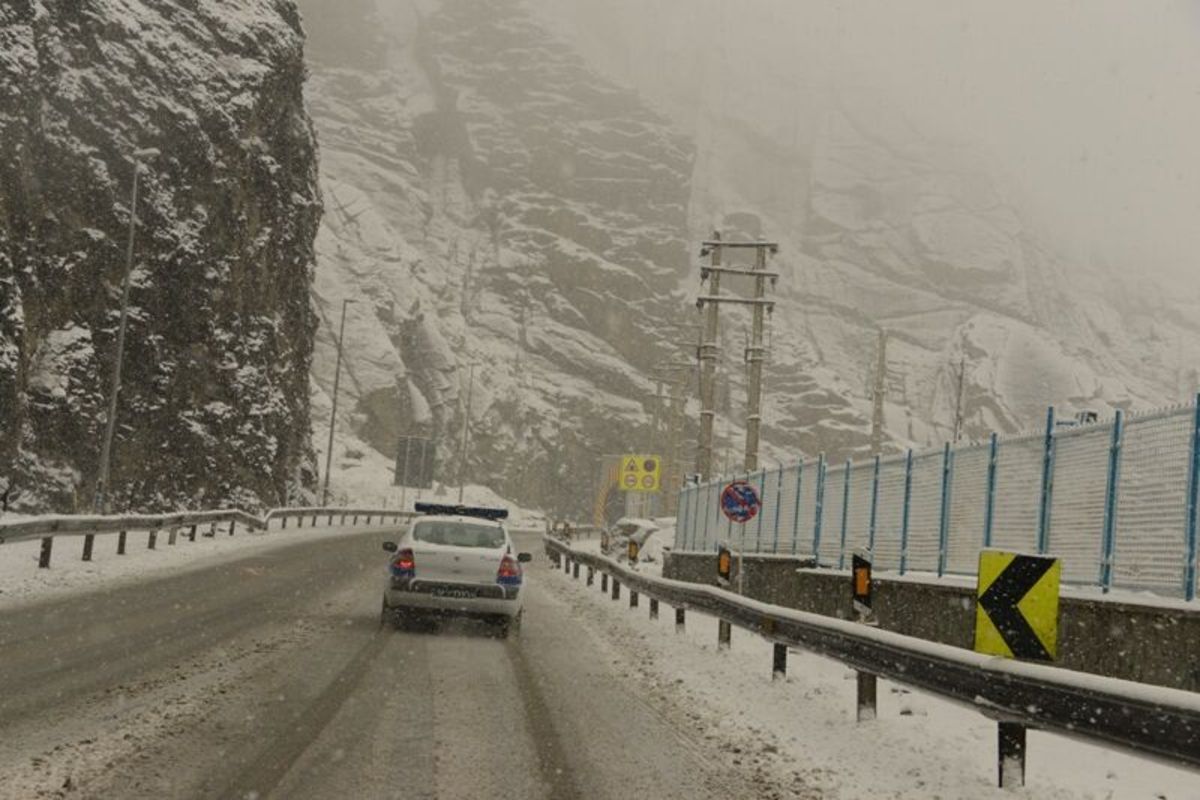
1016 607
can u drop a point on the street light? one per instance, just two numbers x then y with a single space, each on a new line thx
337 375
462 452
100 504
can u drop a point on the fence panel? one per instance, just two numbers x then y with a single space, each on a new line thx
859 517
787 511
808 509
765 481
1018 493
831 522
1152 503
1077 510
925 513
968 496
890 517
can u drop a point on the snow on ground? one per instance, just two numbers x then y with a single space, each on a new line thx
802 729
21 580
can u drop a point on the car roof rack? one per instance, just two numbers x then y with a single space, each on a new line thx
461 511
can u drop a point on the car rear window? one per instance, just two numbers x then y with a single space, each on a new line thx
458 534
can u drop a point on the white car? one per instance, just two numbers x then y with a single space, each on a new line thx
456 561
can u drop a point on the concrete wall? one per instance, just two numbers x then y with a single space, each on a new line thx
1158 644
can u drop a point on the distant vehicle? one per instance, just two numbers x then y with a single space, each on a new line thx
455 561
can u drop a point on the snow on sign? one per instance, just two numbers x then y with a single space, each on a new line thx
640 473
739 501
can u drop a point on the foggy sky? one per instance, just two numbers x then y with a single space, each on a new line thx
1087 112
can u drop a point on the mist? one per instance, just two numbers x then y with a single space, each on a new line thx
1085 113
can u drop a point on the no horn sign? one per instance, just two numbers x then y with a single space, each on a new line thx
739 501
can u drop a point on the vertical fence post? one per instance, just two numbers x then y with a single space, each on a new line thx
816 540
695 515
762 499
1043 539
908 464
796 514
845 513
681 520
1108 544
989 503
707 514
778 506
1190 556
944 524
874 508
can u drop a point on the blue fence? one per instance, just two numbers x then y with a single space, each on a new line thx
1115 500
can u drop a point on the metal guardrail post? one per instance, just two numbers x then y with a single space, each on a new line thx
866 695
44 554
89 541
591 575
616 588
121 541
232 525
152 539
283 520
1190 554
778 506
908 464
989 504
575 571
873 524
679 620
653 608
1011 755
779 662
192 533
944 519
796 510
314 522
604 582
1043 534
724 635
172 535
633 599
845 512
820 509
1109 541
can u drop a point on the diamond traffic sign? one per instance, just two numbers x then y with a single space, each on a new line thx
1016 609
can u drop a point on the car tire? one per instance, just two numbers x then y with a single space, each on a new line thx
511 627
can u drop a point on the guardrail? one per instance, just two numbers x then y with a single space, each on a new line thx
1150 720
90 526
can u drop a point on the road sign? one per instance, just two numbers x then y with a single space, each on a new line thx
739 501
724 565
640 473
1016 609
860 573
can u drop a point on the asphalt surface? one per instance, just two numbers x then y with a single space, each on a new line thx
271 677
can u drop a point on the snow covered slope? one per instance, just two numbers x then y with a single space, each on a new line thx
214 407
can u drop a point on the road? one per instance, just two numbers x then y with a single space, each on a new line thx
270 677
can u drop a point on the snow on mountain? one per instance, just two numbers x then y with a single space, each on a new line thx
214 403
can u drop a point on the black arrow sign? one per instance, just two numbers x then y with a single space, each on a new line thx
1000 602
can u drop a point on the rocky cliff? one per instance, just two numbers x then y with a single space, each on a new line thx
215 407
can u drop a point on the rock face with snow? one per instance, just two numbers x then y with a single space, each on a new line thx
491 200
214 407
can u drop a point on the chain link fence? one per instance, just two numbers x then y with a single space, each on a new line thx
1115 500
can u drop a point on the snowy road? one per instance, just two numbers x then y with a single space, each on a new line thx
269 676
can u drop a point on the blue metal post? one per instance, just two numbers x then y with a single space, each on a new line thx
1189 567
874 507
796 514
1043 539
1108 545
762 508
707 511
989 504
845 513
908 462
681 528
819 509
944 524
778 505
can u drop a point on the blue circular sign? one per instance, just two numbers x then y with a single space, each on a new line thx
739 501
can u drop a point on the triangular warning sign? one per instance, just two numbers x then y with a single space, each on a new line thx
631 465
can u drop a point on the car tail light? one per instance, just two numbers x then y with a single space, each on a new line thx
510 572
404 565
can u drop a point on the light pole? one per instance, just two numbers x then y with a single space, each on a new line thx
100 504
466 428
337 375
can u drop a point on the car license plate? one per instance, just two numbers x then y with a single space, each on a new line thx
456 594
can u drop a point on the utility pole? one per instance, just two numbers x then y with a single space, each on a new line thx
709 350
754 350
958 401
100 503
466 429
878 392
337 376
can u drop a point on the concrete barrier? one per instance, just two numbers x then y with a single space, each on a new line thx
1139 641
